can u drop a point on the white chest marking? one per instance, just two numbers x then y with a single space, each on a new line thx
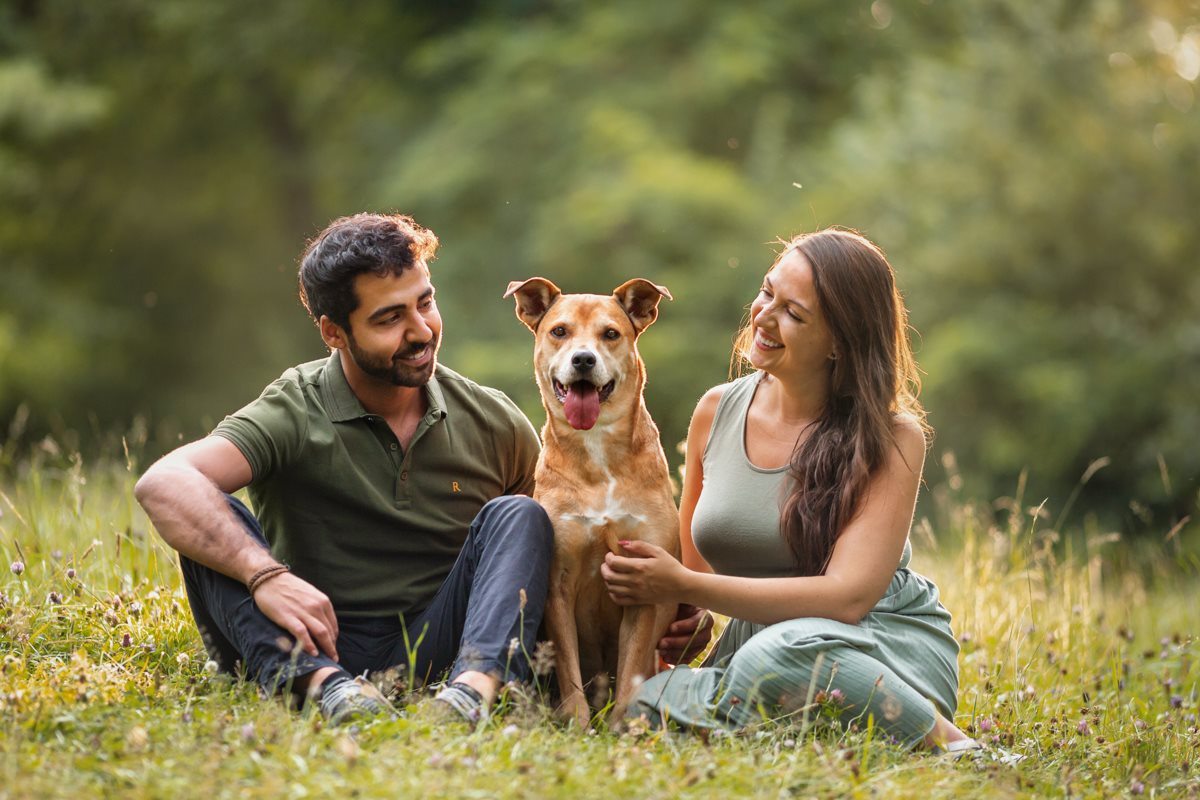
612 511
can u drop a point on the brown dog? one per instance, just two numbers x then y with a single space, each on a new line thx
602 477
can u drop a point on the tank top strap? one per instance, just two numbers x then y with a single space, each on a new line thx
728 424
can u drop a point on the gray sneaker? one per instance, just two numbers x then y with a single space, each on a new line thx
346 699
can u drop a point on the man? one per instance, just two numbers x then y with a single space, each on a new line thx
393 521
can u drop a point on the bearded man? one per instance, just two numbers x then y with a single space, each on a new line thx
392 521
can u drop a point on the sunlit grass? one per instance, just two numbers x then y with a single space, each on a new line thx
1077 651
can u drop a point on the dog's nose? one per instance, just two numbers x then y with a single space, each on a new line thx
583 360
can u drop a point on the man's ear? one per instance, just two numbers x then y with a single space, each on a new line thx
333 334
639 297
534 298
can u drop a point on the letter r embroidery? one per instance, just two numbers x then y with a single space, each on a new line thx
454 487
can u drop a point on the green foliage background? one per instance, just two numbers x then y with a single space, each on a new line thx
1032 168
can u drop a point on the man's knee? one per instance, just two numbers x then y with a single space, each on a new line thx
519 518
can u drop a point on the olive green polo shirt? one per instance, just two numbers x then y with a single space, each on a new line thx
374 526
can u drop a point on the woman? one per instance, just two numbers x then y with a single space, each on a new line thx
801 480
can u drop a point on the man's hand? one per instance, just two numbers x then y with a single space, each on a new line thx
687 636
302 610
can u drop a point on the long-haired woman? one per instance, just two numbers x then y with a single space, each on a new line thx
800 484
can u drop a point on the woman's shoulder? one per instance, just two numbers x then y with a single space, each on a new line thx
911 435
711 400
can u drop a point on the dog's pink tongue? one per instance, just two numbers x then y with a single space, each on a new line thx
582 405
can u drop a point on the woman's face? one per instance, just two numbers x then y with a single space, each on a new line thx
791 338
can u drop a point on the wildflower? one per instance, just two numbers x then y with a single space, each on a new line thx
1083 727
211 667
1137 787
54 598
135 609
1176 701
71 574
127 641
837 696
17 568
986 724
137 738
248 732
514 644
510 730
182 659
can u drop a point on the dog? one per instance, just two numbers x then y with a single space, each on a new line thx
602 477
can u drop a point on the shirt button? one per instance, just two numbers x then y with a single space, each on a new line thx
404 475
394 446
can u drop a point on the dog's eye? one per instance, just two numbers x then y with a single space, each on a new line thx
612 333
558 332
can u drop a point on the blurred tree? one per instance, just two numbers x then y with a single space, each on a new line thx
1034 191
592 143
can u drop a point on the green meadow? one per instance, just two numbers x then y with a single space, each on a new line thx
1079 652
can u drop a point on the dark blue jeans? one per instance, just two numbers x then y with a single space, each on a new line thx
478 620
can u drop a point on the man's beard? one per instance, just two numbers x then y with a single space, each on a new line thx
393 370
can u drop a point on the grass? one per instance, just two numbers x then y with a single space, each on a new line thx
1079 650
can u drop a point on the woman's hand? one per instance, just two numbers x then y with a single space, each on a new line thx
648 575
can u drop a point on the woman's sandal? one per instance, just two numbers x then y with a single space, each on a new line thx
978 753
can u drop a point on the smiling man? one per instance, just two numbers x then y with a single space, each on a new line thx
392 522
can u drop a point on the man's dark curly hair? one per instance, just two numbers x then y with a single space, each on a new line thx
383 244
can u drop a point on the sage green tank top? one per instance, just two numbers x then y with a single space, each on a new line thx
735 525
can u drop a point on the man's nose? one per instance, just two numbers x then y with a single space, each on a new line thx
419 331
583 360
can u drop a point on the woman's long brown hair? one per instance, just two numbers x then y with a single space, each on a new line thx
872 381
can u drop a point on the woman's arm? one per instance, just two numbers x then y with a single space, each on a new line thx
693 475
862 565
689 634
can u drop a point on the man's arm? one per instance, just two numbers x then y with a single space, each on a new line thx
182 495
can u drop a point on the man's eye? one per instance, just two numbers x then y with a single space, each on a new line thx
612 333
558 331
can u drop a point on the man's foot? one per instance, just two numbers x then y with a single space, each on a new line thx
463 702
346 699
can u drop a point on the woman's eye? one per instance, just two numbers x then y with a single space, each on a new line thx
612 333
558 332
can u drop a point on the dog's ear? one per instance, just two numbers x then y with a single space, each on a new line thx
534 298
639 297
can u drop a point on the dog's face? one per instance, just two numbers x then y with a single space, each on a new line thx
585 345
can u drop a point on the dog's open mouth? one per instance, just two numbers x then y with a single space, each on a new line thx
581 401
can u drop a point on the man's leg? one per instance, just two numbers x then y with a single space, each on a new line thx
482 623
233 629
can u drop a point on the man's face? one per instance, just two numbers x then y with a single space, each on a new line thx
395 331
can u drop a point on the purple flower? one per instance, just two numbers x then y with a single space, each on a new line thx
17 568
127 641
1176 701
1083 727
837 696
985 724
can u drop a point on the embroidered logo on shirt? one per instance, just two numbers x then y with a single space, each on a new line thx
454 487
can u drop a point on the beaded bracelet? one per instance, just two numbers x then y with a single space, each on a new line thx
265 574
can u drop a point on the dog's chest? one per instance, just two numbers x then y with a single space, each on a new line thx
604 514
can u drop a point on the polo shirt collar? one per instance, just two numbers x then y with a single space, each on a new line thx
343 405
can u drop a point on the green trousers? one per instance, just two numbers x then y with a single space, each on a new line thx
895 666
